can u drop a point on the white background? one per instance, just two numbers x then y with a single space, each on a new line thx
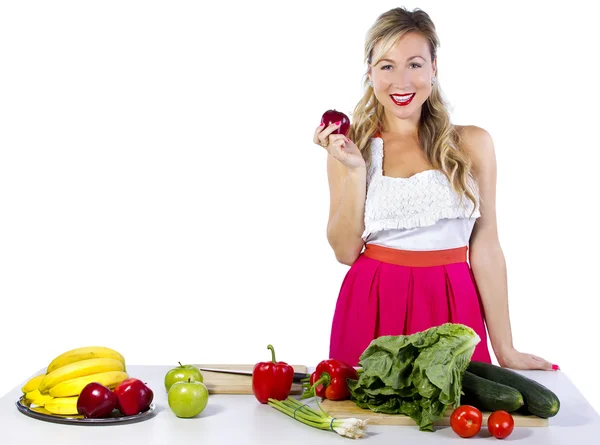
160 193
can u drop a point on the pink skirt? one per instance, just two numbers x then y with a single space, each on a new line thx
398 292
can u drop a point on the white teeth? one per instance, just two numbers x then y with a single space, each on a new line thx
402 98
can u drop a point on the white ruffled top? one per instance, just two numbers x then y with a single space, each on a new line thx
421 212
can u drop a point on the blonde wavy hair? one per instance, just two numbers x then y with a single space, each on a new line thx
437 136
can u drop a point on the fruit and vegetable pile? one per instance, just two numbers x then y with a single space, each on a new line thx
425 376
272 384
91 382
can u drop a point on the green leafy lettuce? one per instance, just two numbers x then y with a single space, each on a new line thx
418 375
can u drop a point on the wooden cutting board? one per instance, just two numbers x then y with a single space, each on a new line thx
347 408
219 383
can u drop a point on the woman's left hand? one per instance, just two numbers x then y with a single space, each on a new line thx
514 359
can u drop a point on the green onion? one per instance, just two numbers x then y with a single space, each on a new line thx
350 427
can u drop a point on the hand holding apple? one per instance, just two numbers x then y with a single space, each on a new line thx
181 374
188 399
96 400
333 138
333 116
133 396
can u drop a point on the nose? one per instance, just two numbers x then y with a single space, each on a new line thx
402 79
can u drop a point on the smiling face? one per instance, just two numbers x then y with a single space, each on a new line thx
402 78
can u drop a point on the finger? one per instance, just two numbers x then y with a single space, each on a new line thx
334 125
325 132
337 147
539 363
546 364
337 137
325 139
317 132
349 141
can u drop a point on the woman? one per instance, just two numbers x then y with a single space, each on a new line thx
417 193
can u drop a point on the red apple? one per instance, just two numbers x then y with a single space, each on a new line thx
96 400
333 116
133 396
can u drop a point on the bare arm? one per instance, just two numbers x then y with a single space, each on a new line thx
347 192
487 259
486 256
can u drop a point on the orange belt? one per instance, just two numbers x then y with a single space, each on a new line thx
416 258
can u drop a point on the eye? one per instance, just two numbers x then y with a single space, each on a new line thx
416 65
384 67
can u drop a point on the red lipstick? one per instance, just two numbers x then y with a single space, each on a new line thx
403 102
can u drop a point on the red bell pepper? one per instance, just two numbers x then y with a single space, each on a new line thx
272 379
330 380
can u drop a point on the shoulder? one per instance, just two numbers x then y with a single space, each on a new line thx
474 139
478 144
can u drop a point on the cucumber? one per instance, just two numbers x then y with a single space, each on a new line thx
489 395
523 411
539 400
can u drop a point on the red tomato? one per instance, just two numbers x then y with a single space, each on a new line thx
500 424
466 421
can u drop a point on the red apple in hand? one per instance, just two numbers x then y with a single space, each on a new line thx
333 116
133 396
96 400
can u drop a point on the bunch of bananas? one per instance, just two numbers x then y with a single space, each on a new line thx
57 390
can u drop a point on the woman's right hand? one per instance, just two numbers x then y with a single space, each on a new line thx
339 146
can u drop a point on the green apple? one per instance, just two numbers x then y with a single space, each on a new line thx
188 399
181 374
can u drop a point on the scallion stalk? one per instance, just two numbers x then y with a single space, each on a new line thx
349 427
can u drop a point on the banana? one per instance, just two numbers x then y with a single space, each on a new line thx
33 383
79 369
84 353
62 405
40 409
74 386
37 398
32 395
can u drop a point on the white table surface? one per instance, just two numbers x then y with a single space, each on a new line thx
240 419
